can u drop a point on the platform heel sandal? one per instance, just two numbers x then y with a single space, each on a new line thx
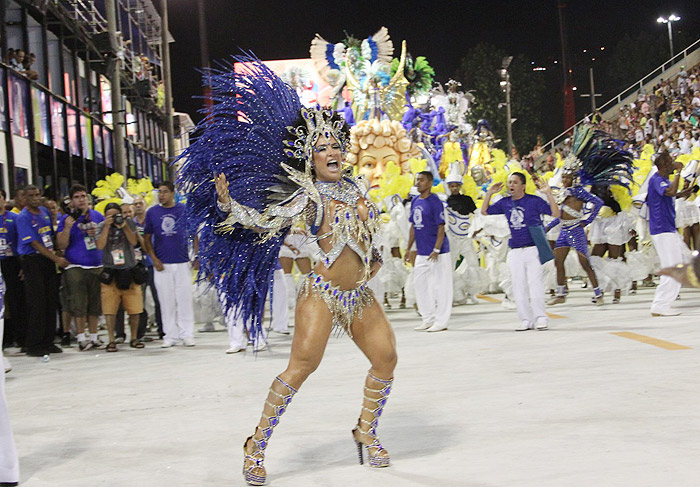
377 456
276 403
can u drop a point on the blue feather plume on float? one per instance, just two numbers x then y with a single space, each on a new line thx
602 159
242 138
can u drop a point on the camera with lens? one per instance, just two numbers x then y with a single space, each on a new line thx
118 219
69 210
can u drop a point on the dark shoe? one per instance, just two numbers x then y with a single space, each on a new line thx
112 347
8 484
65 341
55 349
136 344
37 353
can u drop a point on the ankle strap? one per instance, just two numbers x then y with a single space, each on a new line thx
376 379
293 390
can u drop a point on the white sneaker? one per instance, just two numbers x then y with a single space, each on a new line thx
668 312
188 342
508 304
208 327
260 348
423 326
541 326
167 344
235 350
436 327
6 363
524 326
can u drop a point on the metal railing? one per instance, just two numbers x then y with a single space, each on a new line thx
636 87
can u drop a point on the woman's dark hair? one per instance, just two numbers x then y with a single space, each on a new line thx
300 122
113 206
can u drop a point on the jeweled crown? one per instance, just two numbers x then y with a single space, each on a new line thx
319 121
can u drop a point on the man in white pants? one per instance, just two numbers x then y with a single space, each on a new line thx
9 463
661 195
165 236
432 271
523 211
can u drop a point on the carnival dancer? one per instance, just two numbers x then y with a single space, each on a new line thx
662 226
594 159
522 212
468 278
276 162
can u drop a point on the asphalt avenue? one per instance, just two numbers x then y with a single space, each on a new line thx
606 397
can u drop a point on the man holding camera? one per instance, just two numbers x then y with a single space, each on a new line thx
77 236
117 237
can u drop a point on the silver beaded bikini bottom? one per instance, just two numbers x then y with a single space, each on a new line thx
344 305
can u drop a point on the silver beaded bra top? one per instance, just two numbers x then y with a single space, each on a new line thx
347 227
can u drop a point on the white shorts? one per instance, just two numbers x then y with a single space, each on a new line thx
614 230
687 213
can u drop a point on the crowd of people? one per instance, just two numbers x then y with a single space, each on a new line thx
21 62
93 267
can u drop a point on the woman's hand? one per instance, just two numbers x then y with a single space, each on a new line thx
222 189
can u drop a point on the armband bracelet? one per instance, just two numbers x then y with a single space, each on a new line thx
436 251
225 207
692 276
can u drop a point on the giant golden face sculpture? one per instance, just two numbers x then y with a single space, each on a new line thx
374 143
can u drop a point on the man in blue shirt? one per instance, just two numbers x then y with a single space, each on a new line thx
524 211
432 271
16 324
36 248
81 277
165 238
661 195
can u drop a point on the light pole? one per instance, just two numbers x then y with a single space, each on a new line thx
669 22
505 84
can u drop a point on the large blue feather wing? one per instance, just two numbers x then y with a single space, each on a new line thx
242 138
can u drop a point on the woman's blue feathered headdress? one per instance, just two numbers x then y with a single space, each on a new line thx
597 158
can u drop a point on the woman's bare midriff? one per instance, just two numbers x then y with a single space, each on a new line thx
573 203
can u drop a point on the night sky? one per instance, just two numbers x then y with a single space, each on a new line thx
442 31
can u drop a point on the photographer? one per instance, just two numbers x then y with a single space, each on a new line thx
121 278
76 235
